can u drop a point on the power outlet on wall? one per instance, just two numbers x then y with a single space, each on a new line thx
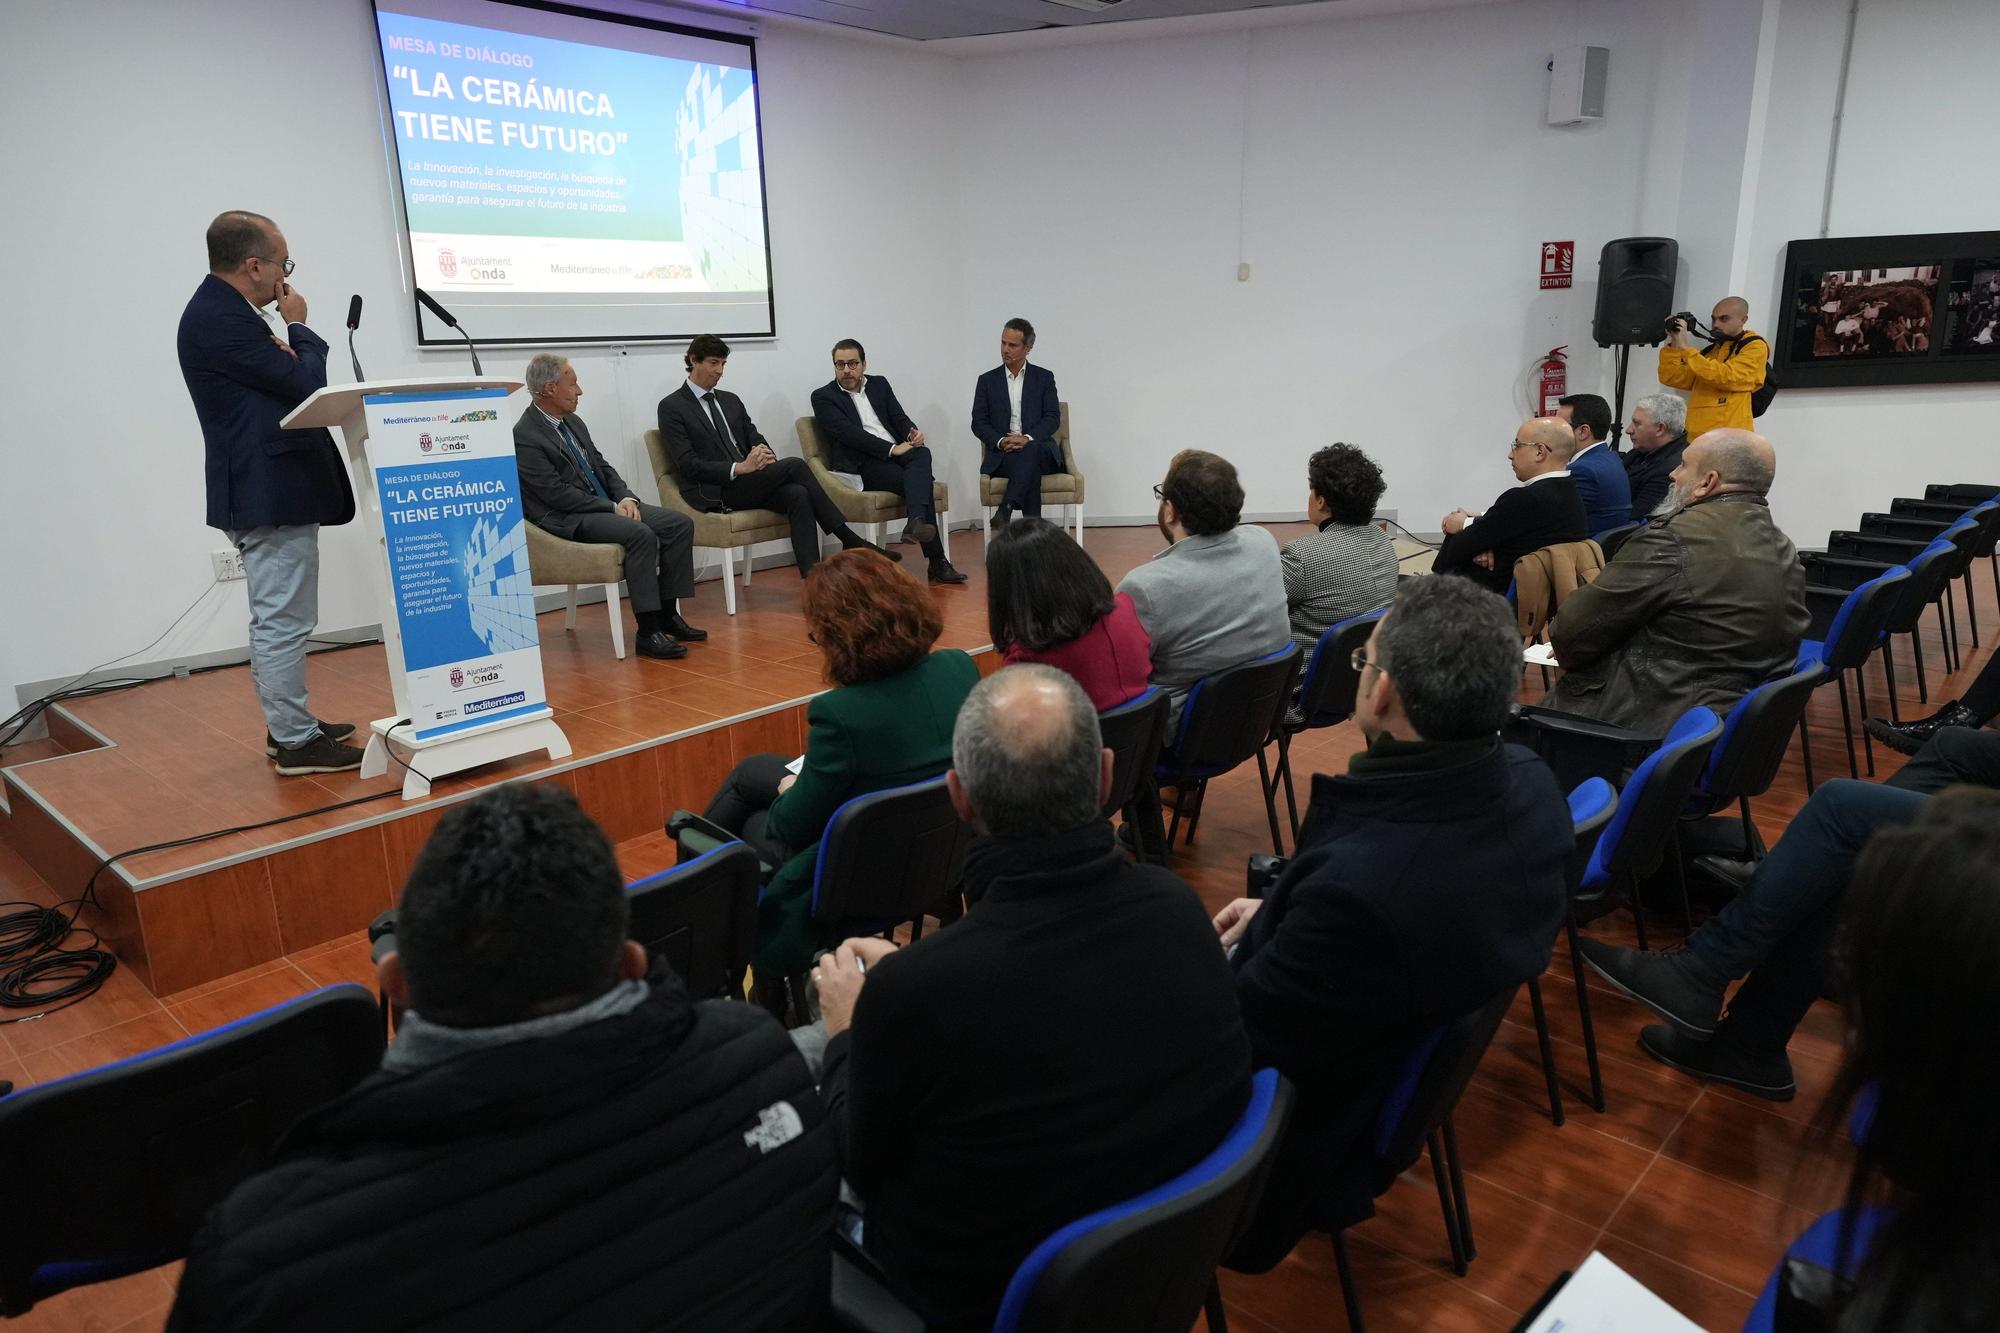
228 565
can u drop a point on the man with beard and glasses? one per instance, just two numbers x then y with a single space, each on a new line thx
1702 605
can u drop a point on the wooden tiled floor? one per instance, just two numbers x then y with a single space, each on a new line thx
1695 1190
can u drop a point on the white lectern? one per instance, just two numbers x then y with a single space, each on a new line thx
433 470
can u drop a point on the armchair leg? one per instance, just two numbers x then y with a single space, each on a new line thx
986 528
1077 511
617 620
729 578
569 611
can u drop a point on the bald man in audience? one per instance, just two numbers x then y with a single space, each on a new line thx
1546 509
1703 604
1719 378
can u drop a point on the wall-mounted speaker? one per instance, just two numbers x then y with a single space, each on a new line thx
1635 290
1577 78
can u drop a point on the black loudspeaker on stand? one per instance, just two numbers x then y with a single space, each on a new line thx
1635 298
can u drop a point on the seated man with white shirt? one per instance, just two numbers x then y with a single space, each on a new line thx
1015 414
1600 477
867 432
1544 510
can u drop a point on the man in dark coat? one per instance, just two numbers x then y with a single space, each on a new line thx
557 1139
1658 436
1700 606
1428 883
1546 509
1070 1043
270 490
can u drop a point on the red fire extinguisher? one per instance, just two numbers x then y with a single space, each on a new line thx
1553 376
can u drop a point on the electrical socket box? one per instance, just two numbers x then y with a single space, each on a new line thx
228 565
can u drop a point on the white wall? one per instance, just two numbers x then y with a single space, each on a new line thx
1916 155
1397 180
136 122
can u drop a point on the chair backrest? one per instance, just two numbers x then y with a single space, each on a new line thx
1591 805
1819 1246
663 472
1651 802
812 445
1929 572
1327 695
1144 1265
700 917
1611 539
1229 716
1857 627
1133 731
112 1169
889 856
1434 1075
1756 735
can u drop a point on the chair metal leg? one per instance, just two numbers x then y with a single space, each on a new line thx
1457 1173
1805 753
1548 1050
1637 896
1889 675
1211 1308
1200 800
1971 610
1680 882
1951 617
1583 1014
1270 789
1435 1147
1847 725
1285 772
1917 651
1861 691
1348 1295
1749 829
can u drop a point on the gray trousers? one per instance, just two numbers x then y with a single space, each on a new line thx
659 552
281 566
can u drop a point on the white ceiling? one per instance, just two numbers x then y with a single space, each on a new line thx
931 20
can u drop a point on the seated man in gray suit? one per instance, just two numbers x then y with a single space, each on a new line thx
1215 598
568 488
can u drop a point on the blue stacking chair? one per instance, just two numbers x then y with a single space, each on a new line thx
700 918
888 857
1326 696
1415 1117
1858 628
1591 806
1227 718
1644 831
1134 732
1143 1265
1755 736
111 1170
1819 1246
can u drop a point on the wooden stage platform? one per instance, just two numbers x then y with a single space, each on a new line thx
181 757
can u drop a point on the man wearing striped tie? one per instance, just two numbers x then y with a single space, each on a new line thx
568 488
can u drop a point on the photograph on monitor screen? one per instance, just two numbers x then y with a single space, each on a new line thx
1972 307
1871 313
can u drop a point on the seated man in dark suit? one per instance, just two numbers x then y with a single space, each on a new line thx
997 1083
1600 477
868 432
1428 881
1544 510
558 1138
1658 435
569 489
724 462
1015 414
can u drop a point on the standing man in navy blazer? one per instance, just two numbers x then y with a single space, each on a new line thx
868 432
269 489
1600 475
1015 415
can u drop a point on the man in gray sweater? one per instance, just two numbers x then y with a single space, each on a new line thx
1215 598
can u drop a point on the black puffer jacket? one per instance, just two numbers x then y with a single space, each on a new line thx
641 1172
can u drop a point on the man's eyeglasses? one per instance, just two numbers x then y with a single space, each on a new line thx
1360 661
1160 491
288 265
1512 445
851 363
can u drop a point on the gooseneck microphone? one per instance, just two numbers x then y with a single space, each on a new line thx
431 305
353 323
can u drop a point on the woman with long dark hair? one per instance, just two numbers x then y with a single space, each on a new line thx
1918 947
1047 601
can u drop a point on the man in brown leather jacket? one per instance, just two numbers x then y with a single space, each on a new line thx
1701 606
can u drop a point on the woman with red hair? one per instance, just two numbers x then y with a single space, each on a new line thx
886 723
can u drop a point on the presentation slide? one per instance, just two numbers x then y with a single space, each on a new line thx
569 179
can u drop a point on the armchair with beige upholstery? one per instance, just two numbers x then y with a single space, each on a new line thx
871 507
728 532
554 560
1058 488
